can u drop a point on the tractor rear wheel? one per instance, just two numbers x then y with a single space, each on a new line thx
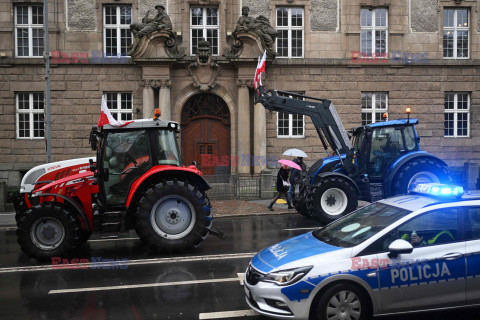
47 230
331 198
419 171
173 216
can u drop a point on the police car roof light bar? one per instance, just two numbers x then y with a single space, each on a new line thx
438 190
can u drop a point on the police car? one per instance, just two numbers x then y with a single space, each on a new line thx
407 253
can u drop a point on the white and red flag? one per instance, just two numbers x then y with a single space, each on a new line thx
260 69
107 118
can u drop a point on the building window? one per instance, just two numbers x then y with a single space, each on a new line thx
290 32
204 25
457 114
374 107
117 36
290 125
456 27
30 115
374 32
28 31
120 105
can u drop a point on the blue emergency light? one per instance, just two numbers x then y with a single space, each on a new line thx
438 189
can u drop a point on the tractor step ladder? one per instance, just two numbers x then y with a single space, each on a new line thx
376 191
111 224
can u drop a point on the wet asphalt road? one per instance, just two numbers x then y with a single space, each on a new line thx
203 284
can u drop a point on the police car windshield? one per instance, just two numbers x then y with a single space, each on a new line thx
360 225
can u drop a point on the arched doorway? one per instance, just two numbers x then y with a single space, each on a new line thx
205 122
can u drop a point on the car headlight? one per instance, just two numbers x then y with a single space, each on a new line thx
287 277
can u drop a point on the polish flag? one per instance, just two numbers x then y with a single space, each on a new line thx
260 69
107 118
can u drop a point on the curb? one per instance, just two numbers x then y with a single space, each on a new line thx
252 214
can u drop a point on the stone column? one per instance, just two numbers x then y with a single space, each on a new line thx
243 127
259 138
164 100
148 99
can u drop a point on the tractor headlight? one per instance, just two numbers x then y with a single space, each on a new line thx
287 277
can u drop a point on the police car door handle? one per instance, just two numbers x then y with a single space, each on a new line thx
452 256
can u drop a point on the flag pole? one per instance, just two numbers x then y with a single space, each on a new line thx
48 116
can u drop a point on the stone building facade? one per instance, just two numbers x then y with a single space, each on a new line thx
369 57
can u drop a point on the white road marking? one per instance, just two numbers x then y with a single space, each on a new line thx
8 228
301 229
241 278
145 285
114 239
227 314
7 214
141 262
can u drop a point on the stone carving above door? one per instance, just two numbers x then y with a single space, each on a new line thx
154 37
203 69
251 37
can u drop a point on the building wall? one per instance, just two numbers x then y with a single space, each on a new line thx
332 33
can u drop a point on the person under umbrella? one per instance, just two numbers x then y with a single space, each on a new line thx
295 174
282 182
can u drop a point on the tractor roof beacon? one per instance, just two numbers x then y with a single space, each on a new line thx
381 159
137 182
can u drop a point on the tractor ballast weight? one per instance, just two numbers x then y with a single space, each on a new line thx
383 159
136 181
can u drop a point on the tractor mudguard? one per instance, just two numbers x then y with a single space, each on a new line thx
164 172
321 165
79 211
329 174
399 163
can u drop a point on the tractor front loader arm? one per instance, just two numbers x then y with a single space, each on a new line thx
322 112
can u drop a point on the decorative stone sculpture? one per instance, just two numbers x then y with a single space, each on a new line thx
160 22
260 27
244 23
203 69
159 26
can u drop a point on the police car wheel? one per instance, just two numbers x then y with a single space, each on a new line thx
342 301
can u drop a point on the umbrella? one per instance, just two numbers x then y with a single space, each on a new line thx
295 153
290 163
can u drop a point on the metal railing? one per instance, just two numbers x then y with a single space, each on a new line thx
233 187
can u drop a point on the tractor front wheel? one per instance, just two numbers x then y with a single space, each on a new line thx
419 171
330 198
173 216
47 230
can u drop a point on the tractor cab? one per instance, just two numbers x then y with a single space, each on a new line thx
378 145
127 153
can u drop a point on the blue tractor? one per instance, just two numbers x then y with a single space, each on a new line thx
379 160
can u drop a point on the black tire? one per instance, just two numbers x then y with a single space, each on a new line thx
336 189
191 202
84 236
299 200
417 167
358 304
34 244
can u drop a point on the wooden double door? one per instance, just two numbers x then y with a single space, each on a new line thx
206 135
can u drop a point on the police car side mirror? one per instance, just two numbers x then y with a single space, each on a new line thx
399 246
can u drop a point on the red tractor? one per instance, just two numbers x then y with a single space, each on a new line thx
137 182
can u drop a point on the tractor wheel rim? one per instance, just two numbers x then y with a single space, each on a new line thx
172 217
334 201
47 233
344 305
422 177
